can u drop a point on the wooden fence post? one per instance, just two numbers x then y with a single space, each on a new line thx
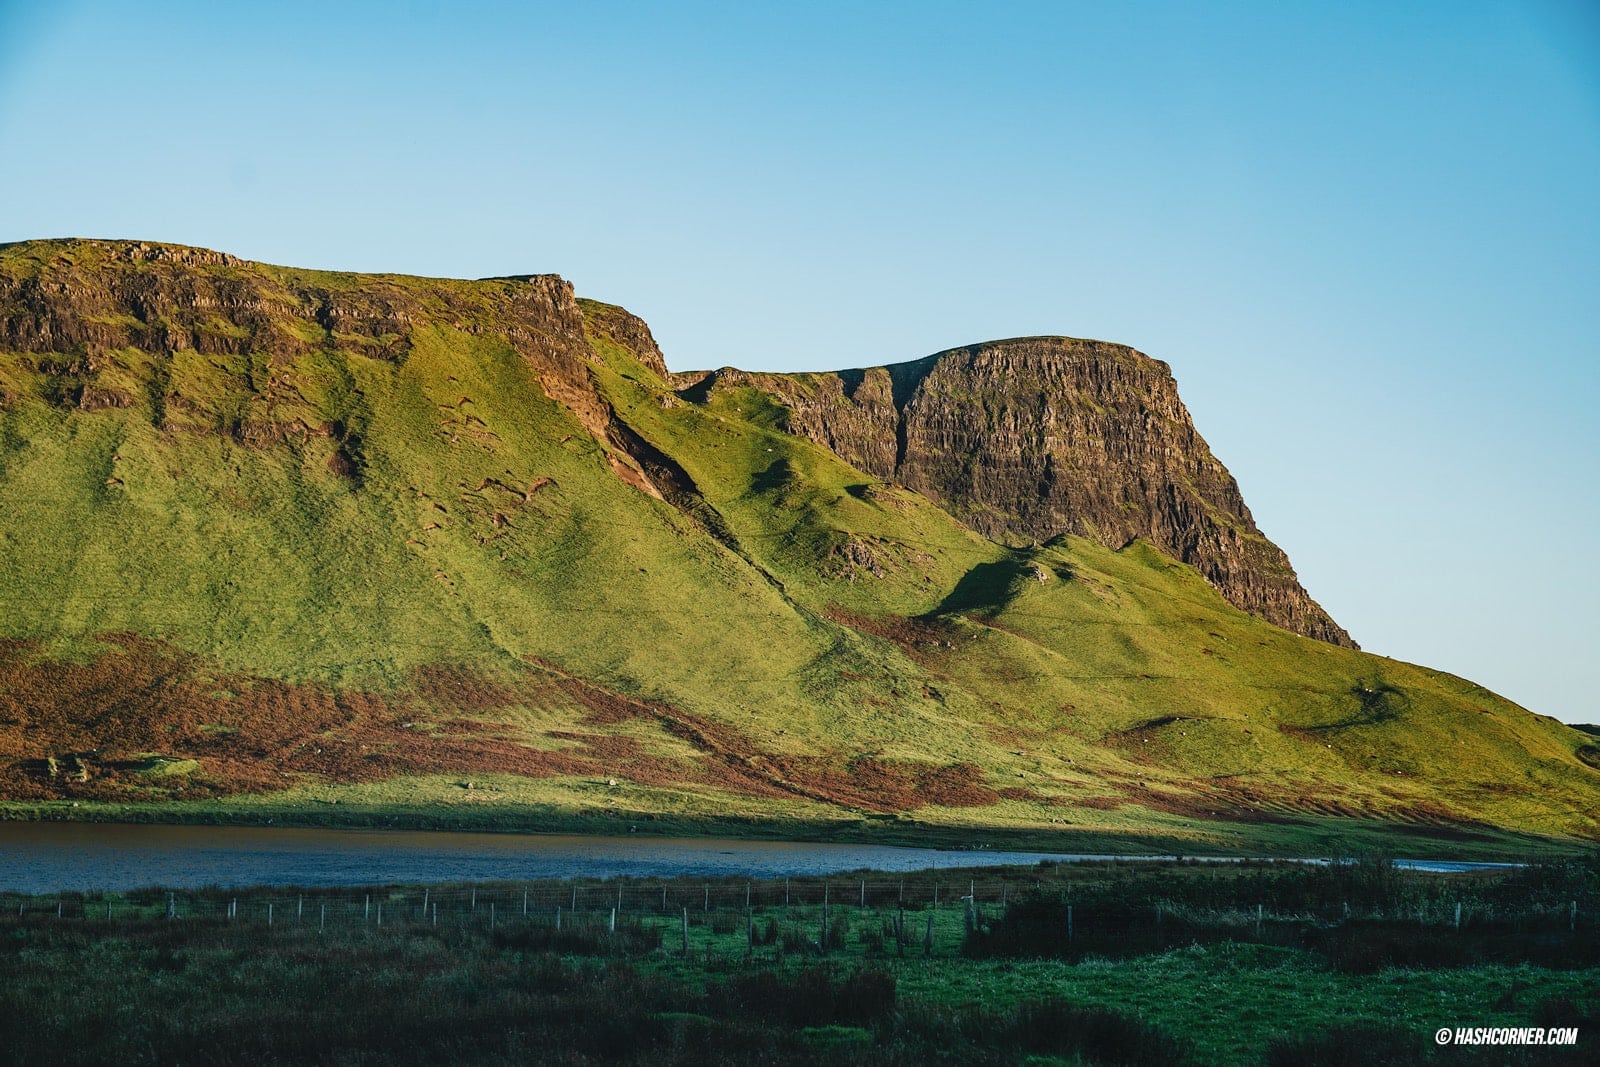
685 933
823 944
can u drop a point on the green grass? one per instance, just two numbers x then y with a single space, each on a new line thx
364 973
791 606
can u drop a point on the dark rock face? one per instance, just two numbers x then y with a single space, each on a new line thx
1030 438
84 298
73 303
88 296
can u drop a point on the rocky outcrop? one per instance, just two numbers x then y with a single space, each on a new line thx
627 330
72 304
1030 438
84 298
1023 439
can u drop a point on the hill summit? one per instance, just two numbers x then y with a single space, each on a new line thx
466 553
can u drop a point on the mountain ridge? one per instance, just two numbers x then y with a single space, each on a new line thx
395 534
1027 469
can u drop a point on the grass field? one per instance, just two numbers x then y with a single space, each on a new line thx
1170 963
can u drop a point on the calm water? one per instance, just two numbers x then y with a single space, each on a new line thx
51 857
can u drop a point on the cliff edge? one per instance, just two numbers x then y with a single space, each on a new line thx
1035 437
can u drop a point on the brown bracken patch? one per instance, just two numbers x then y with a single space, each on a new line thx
923 638
735 764
86 729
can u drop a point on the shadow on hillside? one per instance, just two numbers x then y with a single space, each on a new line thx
986 588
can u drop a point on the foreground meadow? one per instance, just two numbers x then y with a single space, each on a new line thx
1114 962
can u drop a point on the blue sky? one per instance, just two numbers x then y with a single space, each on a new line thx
1365 235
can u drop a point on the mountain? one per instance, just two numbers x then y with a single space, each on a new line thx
280 543
1029 439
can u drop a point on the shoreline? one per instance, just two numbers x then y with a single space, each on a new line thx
1286 839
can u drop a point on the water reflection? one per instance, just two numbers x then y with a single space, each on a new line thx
53 857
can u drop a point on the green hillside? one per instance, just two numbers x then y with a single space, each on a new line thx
281 570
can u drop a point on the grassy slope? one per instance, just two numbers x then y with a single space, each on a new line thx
827 617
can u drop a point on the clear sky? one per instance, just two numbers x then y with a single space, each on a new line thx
1365 235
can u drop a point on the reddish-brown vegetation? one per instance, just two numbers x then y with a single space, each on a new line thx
79 728
922 637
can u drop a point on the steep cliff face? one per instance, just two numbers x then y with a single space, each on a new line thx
1022 439
1029 438
627 330
85 298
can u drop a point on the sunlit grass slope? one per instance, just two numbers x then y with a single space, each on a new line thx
417 586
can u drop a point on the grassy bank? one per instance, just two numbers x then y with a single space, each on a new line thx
523 807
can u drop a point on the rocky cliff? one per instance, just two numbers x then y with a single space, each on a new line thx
1034 437
84 298
76 302
1022 440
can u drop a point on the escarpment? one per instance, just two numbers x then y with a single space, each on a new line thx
82 299
1021 440
81 307
1031 438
